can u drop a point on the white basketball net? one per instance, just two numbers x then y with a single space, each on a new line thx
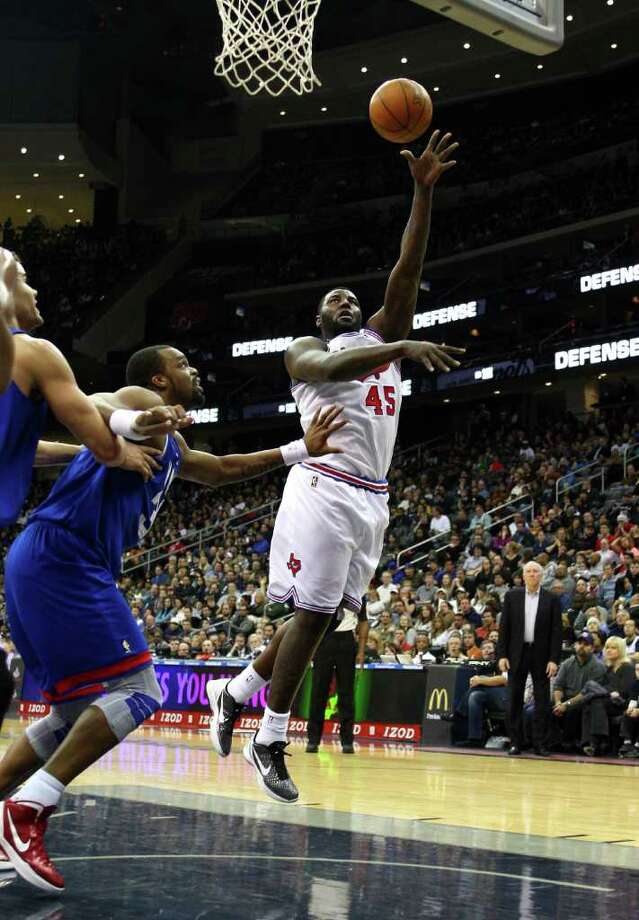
268 45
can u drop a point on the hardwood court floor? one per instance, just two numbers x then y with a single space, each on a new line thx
162 828
525 795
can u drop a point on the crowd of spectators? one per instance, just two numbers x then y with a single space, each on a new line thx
78 270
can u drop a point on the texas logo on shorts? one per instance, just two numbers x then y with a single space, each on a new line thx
293 564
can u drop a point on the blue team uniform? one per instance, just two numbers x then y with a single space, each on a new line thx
67 616
21 423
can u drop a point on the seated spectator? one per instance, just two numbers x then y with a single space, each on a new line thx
385 628
468 612
439 634
454 653
422 650
620 617
586 614
488 624
406 623
630 722
439 523
470 648
488 692
374 606
631 636
425 593
184 650
422 622
207 651
239 648
400 644
573 674
386 588
606 700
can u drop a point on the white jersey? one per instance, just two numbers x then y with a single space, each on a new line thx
371 406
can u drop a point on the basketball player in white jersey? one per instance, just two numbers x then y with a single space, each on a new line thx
329 531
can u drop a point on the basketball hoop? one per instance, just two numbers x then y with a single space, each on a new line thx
268 45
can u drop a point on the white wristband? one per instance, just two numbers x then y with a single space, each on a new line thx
295 452
122 422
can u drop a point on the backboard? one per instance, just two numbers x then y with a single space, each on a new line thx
536 26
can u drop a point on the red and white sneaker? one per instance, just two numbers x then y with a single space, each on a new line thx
22 829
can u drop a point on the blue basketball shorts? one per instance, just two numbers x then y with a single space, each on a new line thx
67 617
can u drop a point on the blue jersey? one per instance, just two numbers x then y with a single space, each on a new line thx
21 422
109 509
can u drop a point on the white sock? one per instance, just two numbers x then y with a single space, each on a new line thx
273 727
42 789
245 684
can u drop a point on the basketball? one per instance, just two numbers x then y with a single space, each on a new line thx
400 110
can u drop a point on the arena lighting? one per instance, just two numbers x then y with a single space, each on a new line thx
548 383
36 175
569 17
497 392
447 400
435 89
80 175
61 157
610 278
466 46
601 353
610 2
29 210
287 408
497 76
453 314
364 69
260 347
18 196
208 416
60 197
23 150
324 109
282 112
614 46
540 66
404 60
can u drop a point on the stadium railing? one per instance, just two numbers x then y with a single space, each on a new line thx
198 538
431 542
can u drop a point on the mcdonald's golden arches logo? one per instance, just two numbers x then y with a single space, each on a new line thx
438 699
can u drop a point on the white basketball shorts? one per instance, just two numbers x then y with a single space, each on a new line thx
328 538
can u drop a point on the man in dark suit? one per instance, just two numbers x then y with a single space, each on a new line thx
530 643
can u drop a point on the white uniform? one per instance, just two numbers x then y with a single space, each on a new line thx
329 531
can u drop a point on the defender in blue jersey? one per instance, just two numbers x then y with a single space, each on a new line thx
67 616
37 375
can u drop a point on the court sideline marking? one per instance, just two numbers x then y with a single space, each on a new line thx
328 859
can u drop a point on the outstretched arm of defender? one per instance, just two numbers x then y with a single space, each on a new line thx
55 453
307 359
209 470
395 319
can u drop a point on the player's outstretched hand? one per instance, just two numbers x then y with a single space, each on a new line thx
433 162
137 458
433 356
321 428
161 420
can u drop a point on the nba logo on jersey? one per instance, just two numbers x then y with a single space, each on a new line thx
314 482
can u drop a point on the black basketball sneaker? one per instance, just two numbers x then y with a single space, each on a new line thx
224 712
270 768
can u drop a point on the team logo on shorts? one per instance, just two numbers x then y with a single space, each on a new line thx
293 564
126 646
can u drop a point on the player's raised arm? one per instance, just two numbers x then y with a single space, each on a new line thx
395 319
307 359
209 470
8 274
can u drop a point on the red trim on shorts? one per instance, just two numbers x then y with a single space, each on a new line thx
64 687
379 487
91 690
